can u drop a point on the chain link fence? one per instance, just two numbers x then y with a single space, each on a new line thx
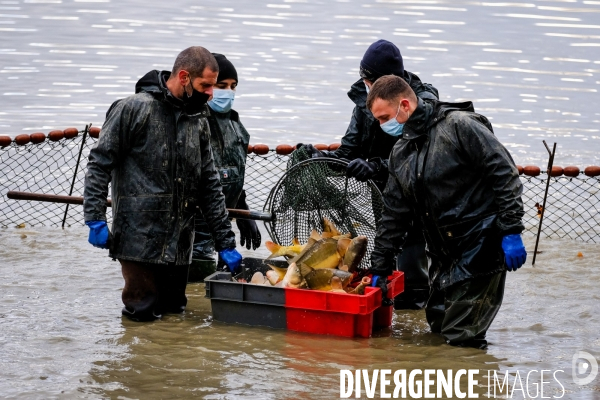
572 209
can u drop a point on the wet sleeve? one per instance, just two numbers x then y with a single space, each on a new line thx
382 168
393 226
212 200
104 157
352 140
499 168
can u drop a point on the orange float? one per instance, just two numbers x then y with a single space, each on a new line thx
284 149
571 171
22 140
55 136
592 170
70 133
5 141
556 171
94 132
531 170
37 137
261 149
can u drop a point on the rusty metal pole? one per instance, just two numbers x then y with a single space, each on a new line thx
549 172
87 127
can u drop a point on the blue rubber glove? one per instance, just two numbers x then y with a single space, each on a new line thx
98 234
232 259
514 251
381 282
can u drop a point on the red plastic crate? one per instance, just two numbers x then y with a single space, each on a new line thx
340 314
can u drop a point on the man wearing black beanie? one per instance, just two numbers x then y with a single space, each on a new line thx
368 147
229 142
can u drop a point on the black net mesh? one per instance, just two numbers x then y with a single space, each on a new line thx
262 173
48 167
572 210
318 189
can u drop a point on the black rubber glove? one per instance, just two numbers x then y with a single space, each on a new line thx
310 150
249 233
381 282
362 170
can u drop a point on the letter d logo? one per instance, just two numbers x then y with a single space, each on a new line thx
580 367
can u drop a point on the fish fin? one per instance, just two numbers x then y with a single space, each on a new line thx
272 247
342 246
344 236
305 269
295 242
275 249
327 235
280 271
315 235
328 226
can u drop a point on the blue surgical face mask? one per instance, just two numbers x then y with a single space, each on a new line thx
222 100
367 87
393 127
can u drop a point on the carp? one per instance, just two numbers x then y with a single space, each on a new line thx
336 285
320 279
279 251
280 271
258 278
355 253
322 254
293 278
274 277
360 289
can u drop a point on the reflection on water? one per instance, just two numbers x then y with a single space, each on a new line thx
61 334
533 67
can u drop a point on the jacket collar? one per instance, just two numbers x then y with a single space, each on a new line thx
429 113
358 94
418 122
155 83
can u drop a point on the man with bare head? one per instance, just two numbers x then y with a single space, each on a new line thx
154 149
449 174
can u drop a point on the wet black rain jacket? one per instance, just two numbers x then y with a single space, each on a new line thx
364 138
229 141
156 153
451 174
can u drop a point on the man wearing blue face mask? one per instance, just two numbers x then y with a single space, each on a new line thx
368 145
450 174
229 141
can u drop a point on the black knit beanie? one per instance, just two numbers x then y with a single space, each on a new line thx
381 58
226 68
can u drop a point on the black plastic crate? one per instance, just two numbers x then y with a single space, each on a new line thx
246 303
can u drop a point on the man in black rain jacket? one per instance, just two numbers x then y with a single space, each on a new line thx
154 149
451 175
368 148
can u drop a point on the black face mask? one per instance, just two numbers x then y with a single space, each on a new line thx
197 98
